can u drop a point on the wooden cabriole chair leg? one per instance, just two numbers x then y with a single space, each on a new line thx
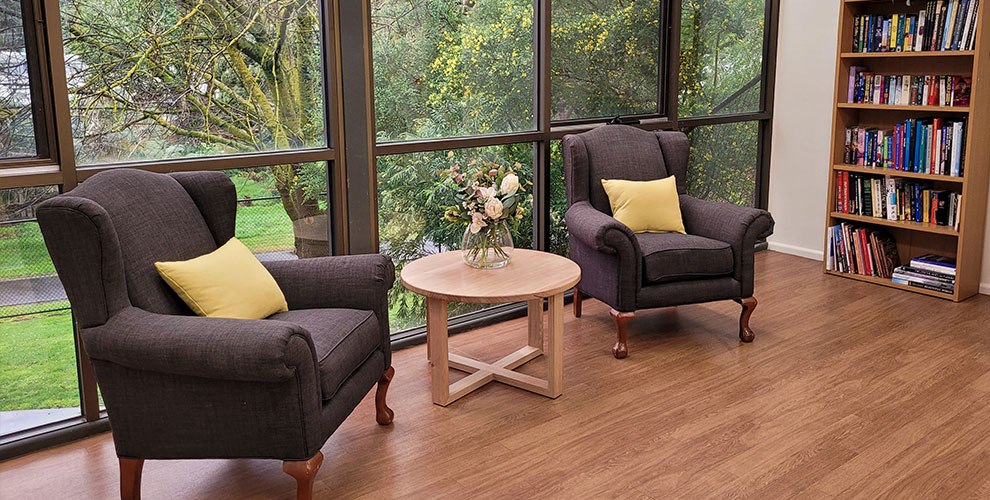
383 414
619 350
577 302
130 478
304 473
745 332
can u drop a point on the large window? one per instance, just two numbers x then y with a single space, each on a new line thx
721 56
17 137
332 119
160 79
605 58
724 162
282 210
445 69
37 353
411 225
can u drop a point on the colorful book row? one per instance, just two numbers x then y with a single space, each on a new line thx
935 146
942 25
866 87
860 250
896 200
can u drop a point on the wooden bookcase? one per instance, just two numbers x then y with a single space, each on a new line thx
914 239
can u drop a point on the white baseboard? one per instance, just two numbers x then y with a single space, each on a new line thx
807 253
985 288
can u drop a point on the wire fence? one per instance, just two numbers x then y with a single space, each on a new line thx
30 286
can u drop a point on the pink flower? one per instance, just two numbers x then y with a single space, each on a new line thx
493 172
458 178
477 222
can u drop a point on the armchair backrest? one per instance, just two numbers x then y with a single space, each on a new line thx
105 235
621 152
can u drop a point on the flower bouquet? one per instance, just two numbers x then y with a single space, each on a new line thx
489 197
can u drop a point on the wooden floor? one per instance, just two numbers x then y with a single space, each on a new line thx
849 391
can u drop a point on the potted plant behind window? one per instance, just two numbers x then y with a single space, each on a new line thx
490 203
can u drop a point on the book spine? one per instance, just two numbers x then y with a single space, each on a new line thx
962 146
899 28
905 273
939 23
959 31
926 286
949 19
971 32
949 278
929 24
885 36
956 148
919 38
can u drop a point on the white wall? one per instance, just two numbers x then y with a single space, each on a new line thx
802 125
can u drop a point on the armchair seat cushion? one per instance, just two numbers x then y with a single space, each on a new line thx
342 338
673 257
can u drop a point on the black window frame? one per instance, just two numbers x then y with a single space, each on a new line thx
351 171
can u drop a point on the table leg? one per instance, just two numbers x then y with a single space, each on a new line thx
436 340
535 314
555 346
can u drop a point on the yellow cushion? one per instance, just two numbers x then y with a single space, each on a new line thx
646 206
228 282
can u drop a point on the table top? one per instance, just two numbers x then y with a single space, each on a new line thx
529 275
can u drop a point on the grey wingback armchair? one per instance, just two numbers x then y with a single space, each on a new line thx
179 386
627 271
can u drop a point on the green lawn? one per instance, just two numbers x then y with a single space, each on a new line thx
263 227
37 362
37 355
23 252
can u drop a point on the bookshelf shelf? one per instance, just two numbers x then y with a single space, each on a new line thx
888 283
896 173
890 107
908 55
914 239
904 224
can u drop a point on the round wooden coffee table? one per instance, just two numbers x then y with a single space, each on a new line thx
530 276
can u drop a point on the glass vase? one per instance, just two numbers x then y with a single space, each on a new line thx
489 248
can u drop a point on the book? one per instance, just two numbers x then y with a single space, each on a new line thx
926 286
971 26
940 26
948 278
933 146
961 87
861 250
866 87
893 199
936 263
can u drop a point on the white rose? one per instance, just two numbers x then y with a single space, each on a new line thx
476 222
493 208
510 184
486 192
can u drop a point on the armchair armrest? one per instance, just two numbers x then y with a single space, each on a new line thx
724 221
598 230
350 281
733 224
218 348
608 253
